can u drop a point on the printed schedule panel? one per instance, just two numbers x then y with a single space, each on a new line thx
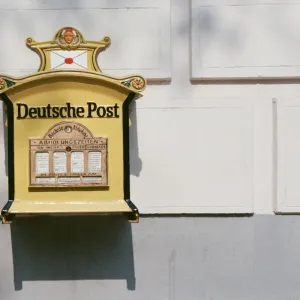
63 159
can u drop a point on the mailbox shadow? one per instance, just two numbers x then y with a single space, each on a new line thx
135 161
72 248
5 139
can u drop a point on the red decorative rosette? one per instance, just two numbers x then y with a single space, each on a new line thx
138 83
106 39
2 84
29 40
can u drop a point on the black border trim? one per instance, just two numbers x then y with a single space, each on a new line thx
10 148
10 155
126 157
6 216
134 215
6 207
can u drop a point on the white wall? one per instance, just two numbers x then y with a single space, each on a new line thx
249 38
202 135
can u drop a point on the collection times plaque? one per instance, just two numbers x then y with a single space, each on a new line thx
67 156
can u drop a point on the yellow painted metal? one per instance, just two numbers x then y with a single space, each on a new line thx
56 87
54 206
57 91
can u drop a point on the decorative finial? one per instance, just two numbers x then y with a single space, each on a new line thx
68 50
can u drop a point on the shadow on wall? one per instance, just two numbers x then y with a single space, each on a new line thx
5 139
135 161
72 248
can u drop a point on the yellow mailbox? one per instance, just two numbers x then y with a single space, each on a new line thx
68 132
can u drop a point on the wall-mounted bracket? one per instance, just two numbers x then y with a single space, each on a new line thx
6 217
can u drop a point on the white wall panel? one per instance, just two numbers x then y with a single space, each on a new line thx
240 39
140 33
77 4
244 2
288 158
195 159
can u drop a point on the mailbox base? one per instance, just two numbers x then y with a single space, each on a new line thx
27 207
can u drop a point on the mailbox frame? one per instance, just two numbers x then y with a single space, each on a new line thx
129 85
